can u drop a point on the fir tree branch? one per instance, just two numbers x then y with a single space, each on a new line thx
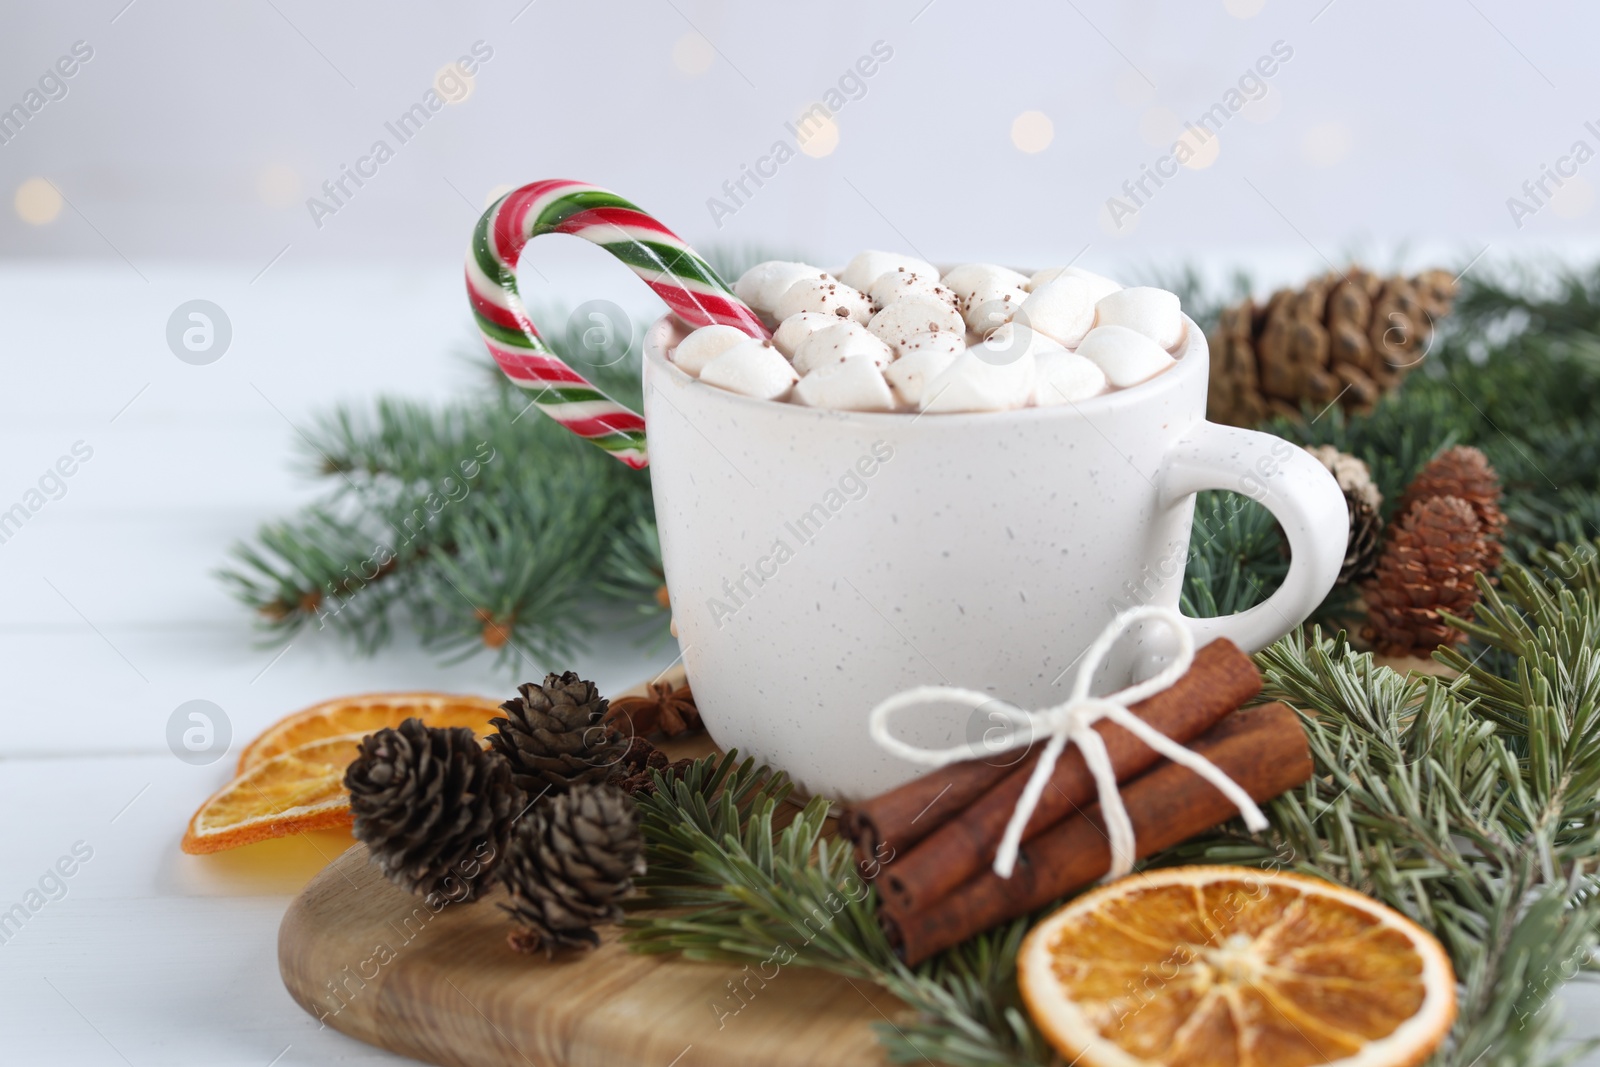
490 526
1442 799
1237 556
743 892
1470 805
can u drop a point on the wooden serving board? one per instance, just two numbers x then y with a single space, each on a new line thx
374 962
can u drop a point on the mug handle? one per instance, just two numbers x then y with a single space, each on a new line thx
1302 496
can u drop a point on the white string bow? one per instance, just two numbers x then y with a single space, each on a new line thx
1073 722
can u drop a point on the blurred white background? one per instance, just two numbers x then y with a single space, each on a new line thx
177 161
996 130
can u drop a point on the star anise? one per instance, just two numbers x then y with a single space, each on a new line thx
665 709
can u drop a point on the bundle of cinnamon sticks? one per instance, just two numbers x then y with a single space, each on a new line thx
930 843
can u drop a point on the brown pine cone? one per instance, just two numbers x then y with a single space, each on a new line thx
664 710
1364 501
1428 566
433 808
634 768
1465 472
554 735
641 758
1346 338
643 782
572 858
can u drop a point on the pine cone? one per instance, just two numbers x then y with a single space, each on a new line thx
641 758
571 859
1427 567
1465 472
1348 338
434 808
554 737
644 784
665 710
636 764
1361 496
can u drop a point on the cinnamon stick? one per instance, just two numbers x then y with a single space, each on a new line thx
927 853
1263 749
898 819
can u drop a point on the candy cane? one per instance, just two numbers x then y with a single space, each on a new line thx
680 277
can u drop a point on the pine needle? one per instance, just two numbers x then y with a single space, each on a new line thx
1470 806
482 523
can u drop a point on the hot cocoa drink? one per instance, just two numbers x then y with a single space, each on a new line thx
891 333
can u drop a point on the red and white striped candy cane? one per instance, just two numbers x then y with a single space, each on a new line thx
680 277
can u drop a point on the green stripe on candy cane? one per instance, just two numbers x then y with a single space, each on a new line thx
659 257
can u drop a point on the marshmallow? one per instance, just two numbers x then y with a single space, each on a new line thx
914 315
889 334
1152 312
971 383
935 341
1062 377
853 385
968 278
824 295
705 345
1127 356
861 271
764 283
793 331
753 368
837 343
990 307
1062 309
1012 342
897 284
1099 285
924 357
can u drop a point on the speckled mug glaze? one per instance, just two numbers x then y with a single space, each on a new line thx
819 561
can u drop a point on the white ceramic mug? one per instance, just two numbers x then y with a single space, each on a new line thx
819 561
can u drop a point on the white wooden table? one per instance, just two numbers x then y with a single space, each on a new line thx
114 619
145 956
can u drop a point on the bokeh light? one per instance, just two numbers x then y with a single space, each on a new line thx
278 185
1203 146
692 54
1032 131
817 139
453 84
37 201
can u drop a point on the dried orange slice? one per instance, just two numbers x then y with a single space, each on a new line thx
368 714
302 789
1233 967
